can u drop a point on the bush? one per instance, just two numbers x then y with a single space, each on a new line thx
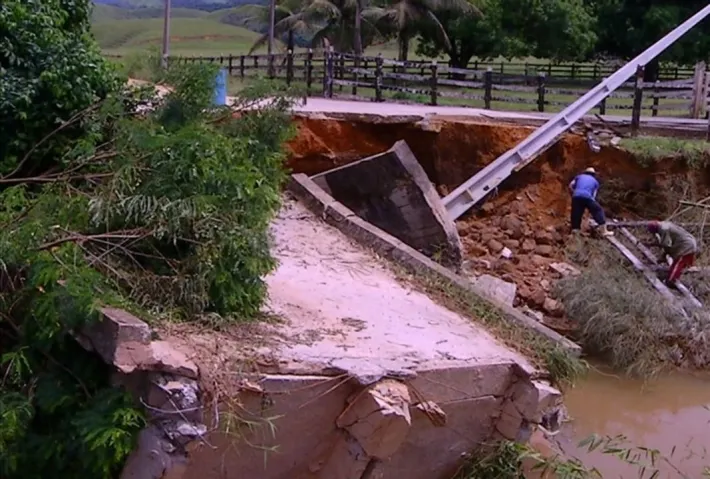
620 316
165 211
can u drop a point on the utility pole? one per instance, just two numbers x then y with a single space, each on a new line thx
272 21
166 35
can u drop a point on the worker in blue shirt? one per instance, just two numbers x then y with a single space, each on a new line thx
584 188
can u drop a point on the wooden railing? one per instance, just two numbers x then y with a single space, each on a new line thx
382 79
569 72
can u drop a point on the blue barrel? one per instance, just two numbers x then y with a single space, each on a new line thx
220 88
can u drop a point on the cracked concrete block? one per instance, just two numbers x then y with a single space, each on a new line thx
379 418
392 191
347 460
153 458
168 359
496 288
510 421
115 327
533 398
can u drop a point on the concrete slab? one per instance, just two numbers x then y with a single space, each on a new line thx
346 310
350 335
392 191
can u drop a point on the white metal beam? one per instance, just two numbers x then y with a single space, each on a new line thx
475 188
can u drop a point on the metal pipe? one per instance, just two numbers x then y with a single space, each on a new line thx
477 187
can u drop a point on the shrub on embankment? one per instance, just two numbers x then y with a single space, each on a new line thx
623 319
165 212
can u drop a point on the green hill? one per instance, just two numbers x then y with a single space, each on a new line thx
104 13
188 36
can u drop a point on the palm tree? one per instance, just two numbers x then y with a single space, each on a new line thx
325 22
287 20
402 17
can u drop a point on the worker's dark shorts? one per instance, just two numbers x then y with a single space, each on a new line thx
579 205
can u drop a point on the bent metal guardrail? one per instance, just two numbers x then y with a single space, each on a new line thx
477 187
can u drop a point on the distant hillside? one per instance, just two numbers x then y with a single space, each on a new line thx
188 36
104 13
205 5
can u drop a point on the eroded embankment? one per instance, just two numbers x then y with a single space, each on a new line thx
529 212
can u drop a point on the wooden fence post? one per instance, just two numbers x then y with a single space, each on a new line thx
289 67
378 78
602 107
541 92
230 66
434 82
487 88
656 92
330 72
340 71
309 71
356 74
638 102
697 106
241 66
271 70
325 72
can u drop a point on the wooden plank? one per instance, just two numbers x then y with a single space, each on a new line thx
460 83
652 259
639 266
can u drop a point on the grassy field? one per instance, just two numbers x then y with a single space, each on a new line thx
193 33
189 36
196 33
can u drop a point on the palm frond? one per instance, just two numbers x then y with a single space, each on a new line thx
260 42
440 30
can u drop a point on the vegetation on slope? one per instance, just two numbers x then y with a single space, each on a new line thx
560 30
105 13
141 34
164 211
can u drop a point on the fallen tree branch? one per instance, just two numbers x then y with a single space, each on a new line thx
80 238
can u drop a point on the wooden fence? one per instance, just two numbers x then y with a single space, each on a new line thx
381 79
567 72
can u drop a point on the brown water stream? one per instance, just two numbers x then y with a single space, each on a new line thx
667 413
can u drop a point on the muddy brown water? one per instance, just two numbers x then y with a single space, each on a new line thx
670 414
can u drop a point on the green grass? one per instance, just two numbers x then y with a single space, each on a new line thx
651 149
189 36
108 13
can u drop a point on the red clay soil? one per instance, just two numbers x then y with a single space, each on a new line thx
529 212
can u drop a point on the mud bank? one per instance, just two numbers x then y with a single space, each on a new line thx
528 213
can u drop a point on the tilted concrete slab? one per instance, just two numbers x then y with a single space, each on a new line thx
349 332
391 190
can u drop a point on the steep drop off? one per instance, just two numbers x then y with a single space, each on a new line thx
529 212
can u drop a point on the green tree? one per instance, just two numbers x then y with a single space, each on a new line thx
627 27
49 70
406 18
163 209
556 29
319 22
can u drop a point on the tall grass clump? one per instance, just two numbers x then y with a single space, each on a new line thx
620 316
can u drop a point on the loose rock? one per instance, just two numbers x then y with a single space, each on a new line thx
495 246
544 250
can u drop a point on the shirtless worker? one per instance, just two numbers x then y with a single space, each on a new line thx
677 243
584 188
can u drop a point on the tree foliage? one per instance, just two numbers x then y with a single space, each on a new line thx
111 197
556 29
627 27
404 19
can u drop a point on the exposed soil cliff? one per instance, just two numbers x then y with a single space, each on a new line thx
528 214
